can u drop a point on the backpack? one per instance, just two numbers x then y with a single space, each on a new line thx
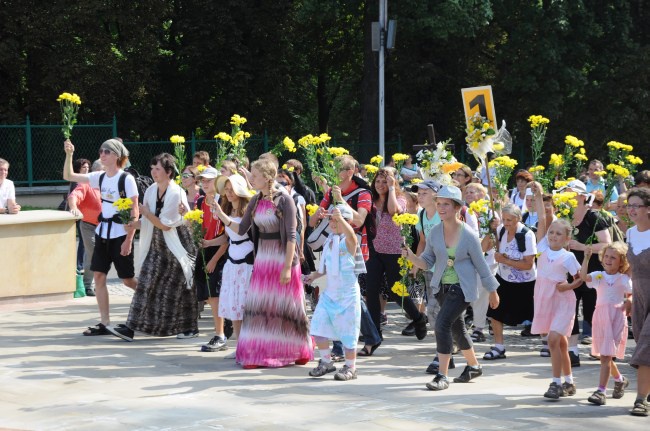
320 233
520 237
142 182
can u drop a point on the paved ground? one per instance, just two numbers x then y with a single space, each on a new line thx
52 378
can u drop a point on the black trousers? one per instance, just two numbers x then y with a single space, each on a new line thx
377 265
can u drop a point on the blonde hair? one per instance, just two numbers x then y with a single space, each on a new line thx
480 188
564 224
266 167
230 166
621 248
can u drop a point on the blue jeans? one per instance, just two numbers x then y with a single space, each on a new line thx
368 330
80 249
450 323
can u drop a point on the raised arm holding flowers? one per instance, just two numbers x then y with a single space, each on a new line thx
69 110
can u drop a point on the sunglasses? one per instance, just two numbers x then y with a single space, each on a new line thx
105 151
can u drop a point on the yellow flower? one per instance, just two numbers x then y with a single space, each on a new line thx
311 209
371 169
177 140
498 146
289 145
306 141
400 289
503 161
72 98
573 141
556 160
537 120
338 151
324 137
633 159
376 160
123 204
479 207
223 136
536 169
200 168
581 156
194 216
416 181
600 173
399 157
406 218
237 120
618 170
599 276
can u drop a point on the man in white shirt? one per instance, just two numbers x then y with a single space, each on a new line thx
8 203
113 243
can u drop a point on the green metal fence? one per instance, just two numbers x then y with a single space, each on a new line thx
36 155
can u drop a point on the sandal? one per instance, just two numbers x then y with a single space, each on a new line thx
640 408
365 352
495 353
477 336
98 329
337 358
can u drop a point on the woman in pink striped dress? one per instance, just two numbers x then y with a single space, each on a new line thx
275 328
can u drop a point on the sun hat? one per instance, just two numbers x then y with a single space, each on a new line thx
426 184
575 185
346 211
453 193
238 184
208 173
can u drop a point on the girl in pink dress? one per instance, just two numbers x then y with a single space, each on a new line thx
609 326
555 303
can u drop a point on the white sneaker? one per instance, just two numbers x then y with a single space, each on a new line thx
231 355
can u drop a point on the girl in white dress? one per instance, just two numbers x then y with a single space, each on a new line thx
239 267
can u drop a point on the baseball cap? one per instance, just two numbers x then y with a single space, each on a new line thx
426 184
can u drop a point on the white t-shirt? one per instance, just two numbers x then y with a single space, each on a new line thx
638 241
110 192
611 288
7 191
509 273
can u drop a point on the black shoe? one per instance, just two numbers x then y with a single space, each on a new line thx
575 359
526 331
420 327
121 331
435 365
468 374
439 383
90 292
409 331
554 392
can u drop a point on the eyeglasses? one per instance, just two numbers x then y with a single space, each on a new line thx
187 176
634 206
345 169
462 174
105 151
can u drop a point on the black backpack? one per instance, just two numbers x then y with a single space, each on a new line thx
142 182
520 237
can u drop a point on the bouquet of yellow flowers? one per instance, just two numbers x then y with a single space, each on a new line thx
194 219
124 206
322 160
399 159
405 222
286 145
622 164
311 209
481 209
565 204
233 144
503 167
538 125
69 110
179 154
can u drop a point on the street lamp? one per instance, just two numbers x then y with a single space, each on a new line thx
383 38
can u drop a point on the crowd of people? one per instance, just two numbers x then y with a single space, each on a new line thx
254 261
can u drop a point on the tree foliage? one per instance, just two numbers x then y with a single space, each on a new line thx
305 66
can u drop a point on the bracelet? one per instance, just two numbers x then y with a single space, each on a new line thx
391 188
229 222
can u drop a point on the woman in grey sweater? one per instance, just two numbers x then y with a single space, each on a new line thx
458 257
